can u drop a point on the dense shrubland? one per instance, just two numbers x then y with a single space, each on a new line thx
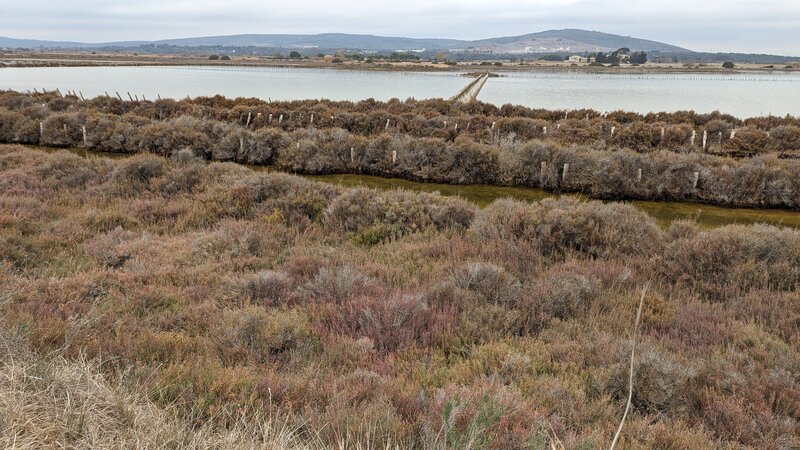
435 118
223 297
745 163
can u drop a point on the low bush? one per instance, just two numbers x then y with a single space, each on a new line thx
639 137
139 169
726 262
268 288
399 212
559 295
490 283
567 225
392 323
787 137
338 284
749 142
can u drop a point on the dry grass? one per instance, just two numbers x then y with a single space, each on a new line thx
53 402
161 303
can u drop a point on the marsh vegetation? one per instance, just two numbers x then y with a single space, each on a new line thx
711 158
171 302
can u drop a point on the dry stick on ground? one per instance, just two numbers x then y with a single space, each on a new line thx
555 442
630 377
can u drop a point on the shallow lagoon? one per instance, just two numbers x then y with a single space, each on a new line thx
743 95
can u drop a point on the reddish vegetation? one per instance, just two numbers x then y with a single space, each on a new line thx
391 317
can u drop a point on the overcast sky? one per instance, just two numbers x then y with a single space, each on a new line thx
763 26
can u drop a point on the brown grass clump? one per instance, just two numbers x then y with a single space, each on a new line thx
48 402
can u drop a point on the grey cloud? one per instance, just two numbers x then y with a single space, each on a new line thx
769 26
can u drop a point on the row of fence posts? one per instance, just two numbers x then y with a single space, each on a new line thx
542 169
134 97
388 121
564 172
543 164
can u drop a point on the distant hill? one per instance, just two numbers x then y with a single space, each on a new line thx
6 42
34 43
326 40
572 41
543 42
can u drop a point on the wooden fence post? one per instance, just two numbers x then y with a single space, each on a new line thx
248 119
705 139
386 127
694 137
129 96
118 96
695 179
639 175
352 154
542 170
394 156
83 129
564 172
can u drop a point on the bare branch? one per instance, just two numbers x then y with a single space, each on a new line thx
630 376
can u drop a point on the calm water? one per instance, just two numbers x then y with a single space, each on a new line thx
743 95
